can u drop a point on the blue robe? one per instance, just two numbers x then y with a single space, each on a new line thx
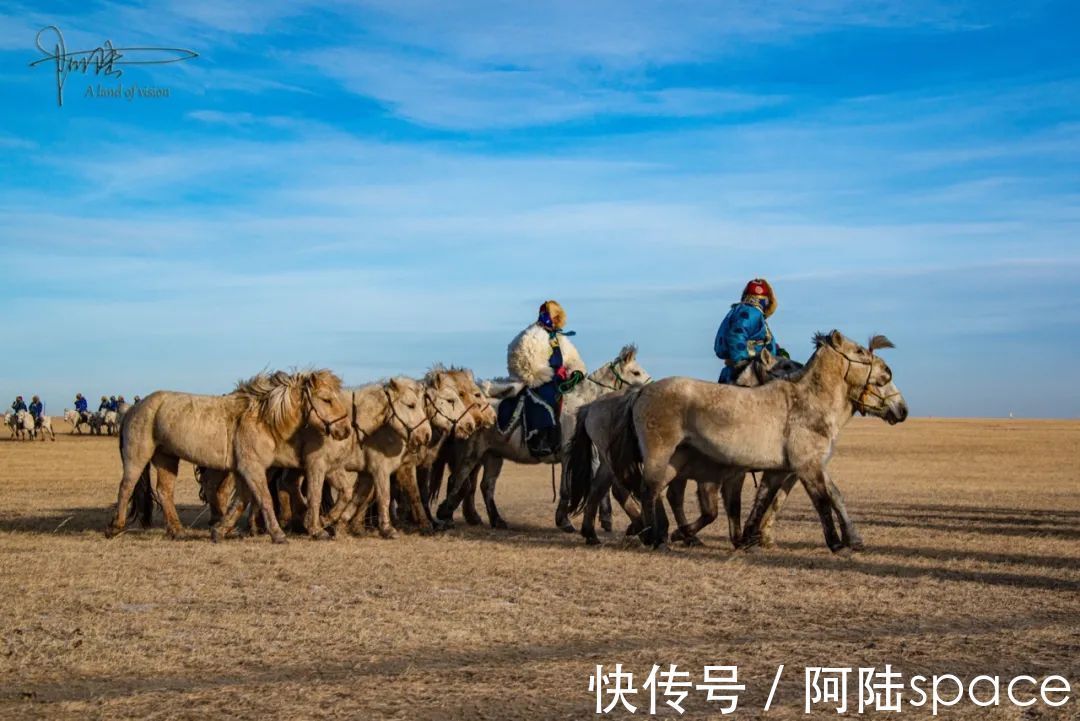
741 337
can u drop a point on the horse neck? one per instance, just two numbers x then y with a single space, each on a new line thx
602 381
825 387
372 402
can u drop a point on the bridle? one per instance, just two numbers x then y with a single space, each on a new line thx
326 424
858 402
619 383
394 415
440 412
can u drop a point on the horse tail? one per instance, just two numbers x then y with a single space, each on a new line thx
141 505
624 451
579 465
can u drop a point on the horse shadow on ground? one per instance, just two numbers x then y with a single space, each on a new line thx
76 521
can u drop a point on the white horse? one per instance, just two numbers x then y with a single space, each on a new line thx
111 421
24 426
12 422
45 427
76 420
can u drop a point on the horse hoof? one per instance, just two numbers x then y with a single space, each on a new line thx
388 533
112 531
691 541
473 520
215 535
662 548
279 538
322 535
567 527
593 541
857 545
499 524
606 525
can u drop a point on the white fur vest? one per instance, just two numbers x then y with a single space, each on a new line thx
528 354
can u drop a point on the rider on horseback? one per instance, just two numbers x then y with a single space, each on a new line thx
37 410
745 332
81 407
543 358
18 405
104 405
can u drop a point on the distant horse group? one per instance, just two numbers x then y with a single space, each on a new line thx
297 451
22 426
97 422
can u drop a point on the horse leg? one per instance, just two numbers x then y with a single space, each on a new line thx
468 501
562 510
255 478
767 538
771 483
731 490
601 484
629 504
676 493
407 480
816 483
135 458
456 488
167 467
382 498
606 516
492 468
315 472
342 484
849 537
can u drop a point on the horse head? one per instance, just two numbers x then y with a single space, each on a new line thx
868 377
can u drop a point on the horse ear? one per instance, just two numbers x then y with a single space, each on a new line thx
836 339
394 385
766 357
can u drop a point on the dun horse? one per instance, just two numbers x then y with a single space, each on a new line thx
783 426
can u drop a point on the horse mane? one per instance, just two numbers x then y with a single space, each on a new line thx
277 397
628 352
437 368
819 339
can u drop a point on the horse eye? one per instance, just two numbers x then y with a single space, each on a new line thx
637 373
453 402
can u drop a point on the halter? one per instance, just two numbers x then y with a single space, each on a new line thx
306 395
619 383
393 414
440 412
858 402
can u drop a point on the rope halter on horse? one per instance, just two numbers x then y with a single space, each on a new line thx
858 401
327 425
619 383
392 414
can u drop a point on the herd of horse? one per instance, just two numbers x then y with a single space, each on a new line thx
299 451
22 426
96 422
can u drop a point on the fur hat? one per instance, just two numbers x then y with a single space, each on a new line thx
553 312
760 288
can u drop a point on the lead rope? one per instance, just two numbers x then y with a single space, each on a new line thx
553 483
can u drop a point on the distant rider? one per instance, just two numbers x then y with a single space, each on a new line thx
18 405
82 407
744 332
104 404
37 410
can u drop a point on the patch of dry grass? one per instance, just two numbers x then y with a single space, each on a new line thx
973 566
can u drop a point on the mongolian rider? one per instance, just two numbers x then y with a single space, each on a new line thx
104 405
37 411
543 358
82 407
18 405
745 330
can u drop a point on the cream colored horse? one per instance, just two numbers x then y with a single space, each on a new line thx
247 431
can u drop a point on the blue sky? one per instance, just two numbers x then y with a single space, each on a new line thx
375 186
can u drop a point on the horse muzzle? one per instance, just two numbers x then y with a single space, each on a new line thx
896 414
340 431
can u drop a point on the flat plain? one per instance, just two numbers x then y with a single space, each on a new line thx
972 567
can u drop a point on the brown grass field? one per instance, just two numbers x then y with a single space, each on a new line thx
972 567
